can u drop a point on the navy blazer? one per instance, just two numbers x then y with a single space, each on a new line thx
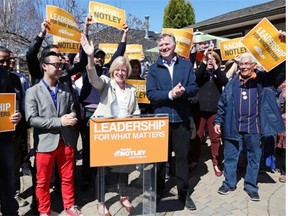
159 83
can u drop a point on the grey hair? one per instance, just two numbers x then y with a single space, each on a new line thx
171 36
249 55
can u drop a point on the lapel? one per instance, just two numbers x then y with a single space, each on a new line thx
128 92
60 95
113 88
46 96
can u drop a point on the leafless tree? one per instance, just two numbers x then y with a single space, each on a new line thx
20 22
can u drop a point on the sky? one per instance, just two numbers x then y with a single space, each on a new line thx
203 9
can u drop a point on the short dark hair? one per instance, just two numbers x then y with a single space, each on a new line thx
4 49
46 52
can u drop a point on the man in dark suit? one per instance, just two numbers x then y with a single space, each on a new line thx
50 111
9 205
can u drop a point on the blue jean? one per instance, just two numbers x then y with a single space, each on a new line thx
232 149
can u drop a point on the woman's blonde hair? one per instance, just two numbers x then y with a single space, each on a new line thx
117 63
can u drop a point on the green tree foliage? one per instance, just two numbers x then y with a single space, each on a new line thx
178 14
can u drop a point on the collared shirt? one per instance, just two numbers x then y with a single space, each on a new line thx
246 104
170 65
52 93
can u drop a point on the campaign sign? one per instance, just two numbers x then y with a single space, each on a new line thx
66 45
109 49
140 86
231 48
106 14
134 51
183 40
62 23
7 109
122 141
263 42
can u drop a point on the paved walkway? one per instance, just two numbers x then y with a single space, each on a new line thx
205 196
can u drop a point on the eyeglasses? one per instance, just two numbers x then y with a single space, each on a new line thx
246 64
57 65
2 61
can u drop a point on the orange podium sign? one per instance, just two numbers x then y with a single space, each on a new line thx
122 141
263 42
7 108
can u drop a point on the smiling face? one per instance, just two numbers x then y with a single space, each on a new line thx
247 66
120 70
53 67
166 47
120 74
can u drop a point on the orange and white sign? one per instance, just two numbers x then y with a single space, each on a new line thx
230 49
134 51
189 30
66 45
128 141
263 42
183 40
7 109
109 49
107 14
62 23
140 86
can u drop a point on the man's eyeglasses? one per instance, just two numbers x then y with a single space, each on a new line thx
2 61
57 65
246 64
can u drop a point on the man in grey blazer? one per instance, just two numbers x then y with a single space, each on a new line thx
49 110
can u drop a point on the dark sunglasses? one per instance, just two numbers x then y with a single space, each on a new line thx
2 61
57 65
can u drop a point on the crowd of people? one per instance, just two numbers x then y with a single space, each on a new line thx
236 107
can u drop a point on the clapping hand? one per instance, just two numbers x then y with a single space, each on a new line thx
178 90
68 120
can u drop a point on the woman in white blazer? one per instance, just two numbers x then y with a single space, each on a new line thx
117 99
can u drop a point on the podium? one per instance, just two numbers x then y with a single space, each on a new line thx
126 151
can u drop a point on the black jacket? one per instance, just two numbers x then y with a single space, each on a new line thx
210 87
35 68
